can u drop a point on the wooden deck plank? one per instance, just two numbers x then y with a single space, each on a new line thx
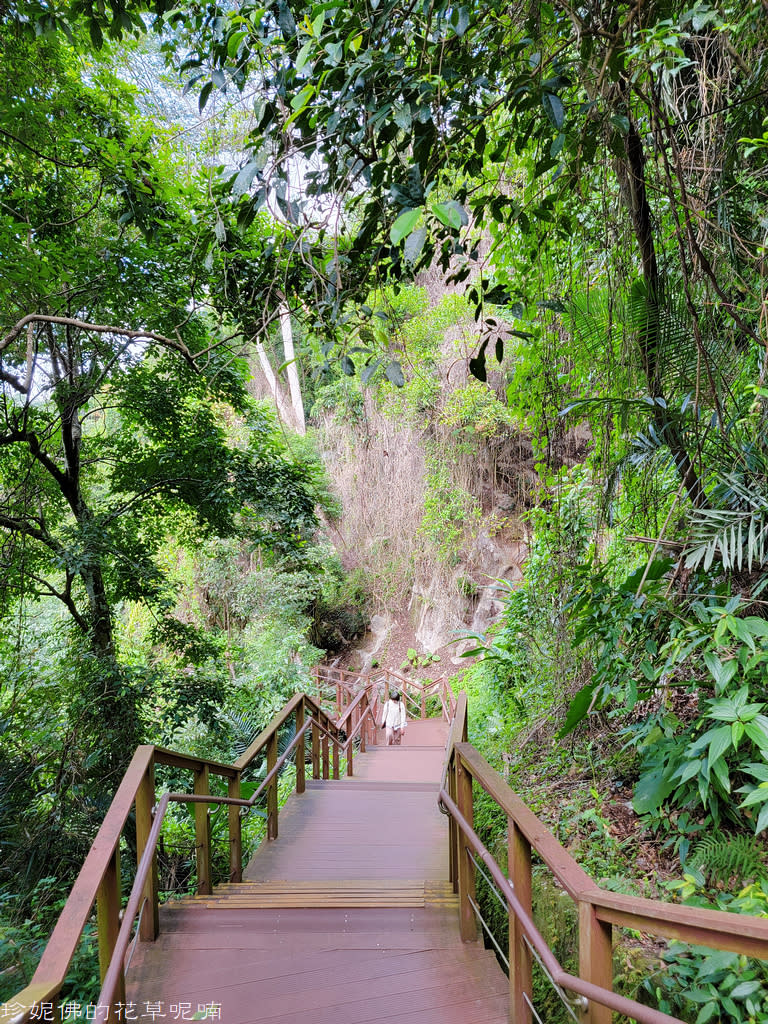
301 991
320 893
425 1007
312 973
182 917
378 835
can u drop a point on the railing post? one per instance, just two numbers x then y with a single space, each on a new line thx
272 788
235 832
453 830
324 749
300 766
335 759
350 758
370 725
108 919
315 750
466 869
363 706
145 801
202 833
519 873
595 960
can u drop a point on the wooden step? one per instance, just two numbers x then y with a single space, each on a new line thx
327 894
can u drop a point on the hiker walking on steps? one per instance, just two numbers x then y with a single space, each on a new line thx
393 719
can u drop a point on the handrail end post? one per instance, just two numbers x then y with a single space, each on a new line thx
466 868
149 927
235 831
595 960
272 805
325 755
301 774
203 832
108 919
315 749
520 962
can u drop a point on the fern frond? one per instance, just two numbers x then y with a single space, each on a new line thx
245 726
722 857
595 320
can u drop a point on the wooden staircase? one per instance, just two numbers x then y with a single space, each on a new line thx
345 915
343 966
347 918
333 894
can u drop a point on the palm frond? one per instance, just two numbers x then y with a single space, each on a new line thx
601 321
736 531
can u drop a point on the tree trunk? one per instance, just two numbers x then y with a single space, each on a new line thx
292 369
100 631
283 408
631 174
100 627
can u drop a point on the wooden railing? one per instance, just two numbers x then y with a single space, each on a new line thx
339 688
598 910
99 878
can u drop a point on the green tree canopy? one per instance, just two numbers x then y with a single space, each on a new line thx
115 379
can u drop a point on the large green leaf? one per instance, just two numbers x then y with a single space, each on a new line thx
578 708
404 225
652 789
452 214
720 740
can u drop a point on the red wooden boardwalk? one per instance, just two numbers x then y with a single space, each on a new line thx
346 918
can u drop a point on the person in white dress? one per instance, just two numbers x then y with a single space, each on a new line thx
393 719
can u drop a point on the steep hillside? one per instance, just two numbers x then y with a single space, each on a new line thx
434 479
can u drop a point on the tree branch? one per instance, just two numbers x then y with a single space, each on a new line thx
43 156
83 325
64 596
29 438
16 383
26 528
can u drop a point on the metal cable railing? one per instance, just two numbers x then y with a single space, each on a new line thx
571 1004
588 995
572 983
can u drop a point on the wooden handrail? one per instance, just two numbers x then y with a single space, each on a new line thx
357 728
280 718
562 978
573 879
598 909
415 692
112 977
456 734
100 875
176 760
57 955
341 723
113 974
